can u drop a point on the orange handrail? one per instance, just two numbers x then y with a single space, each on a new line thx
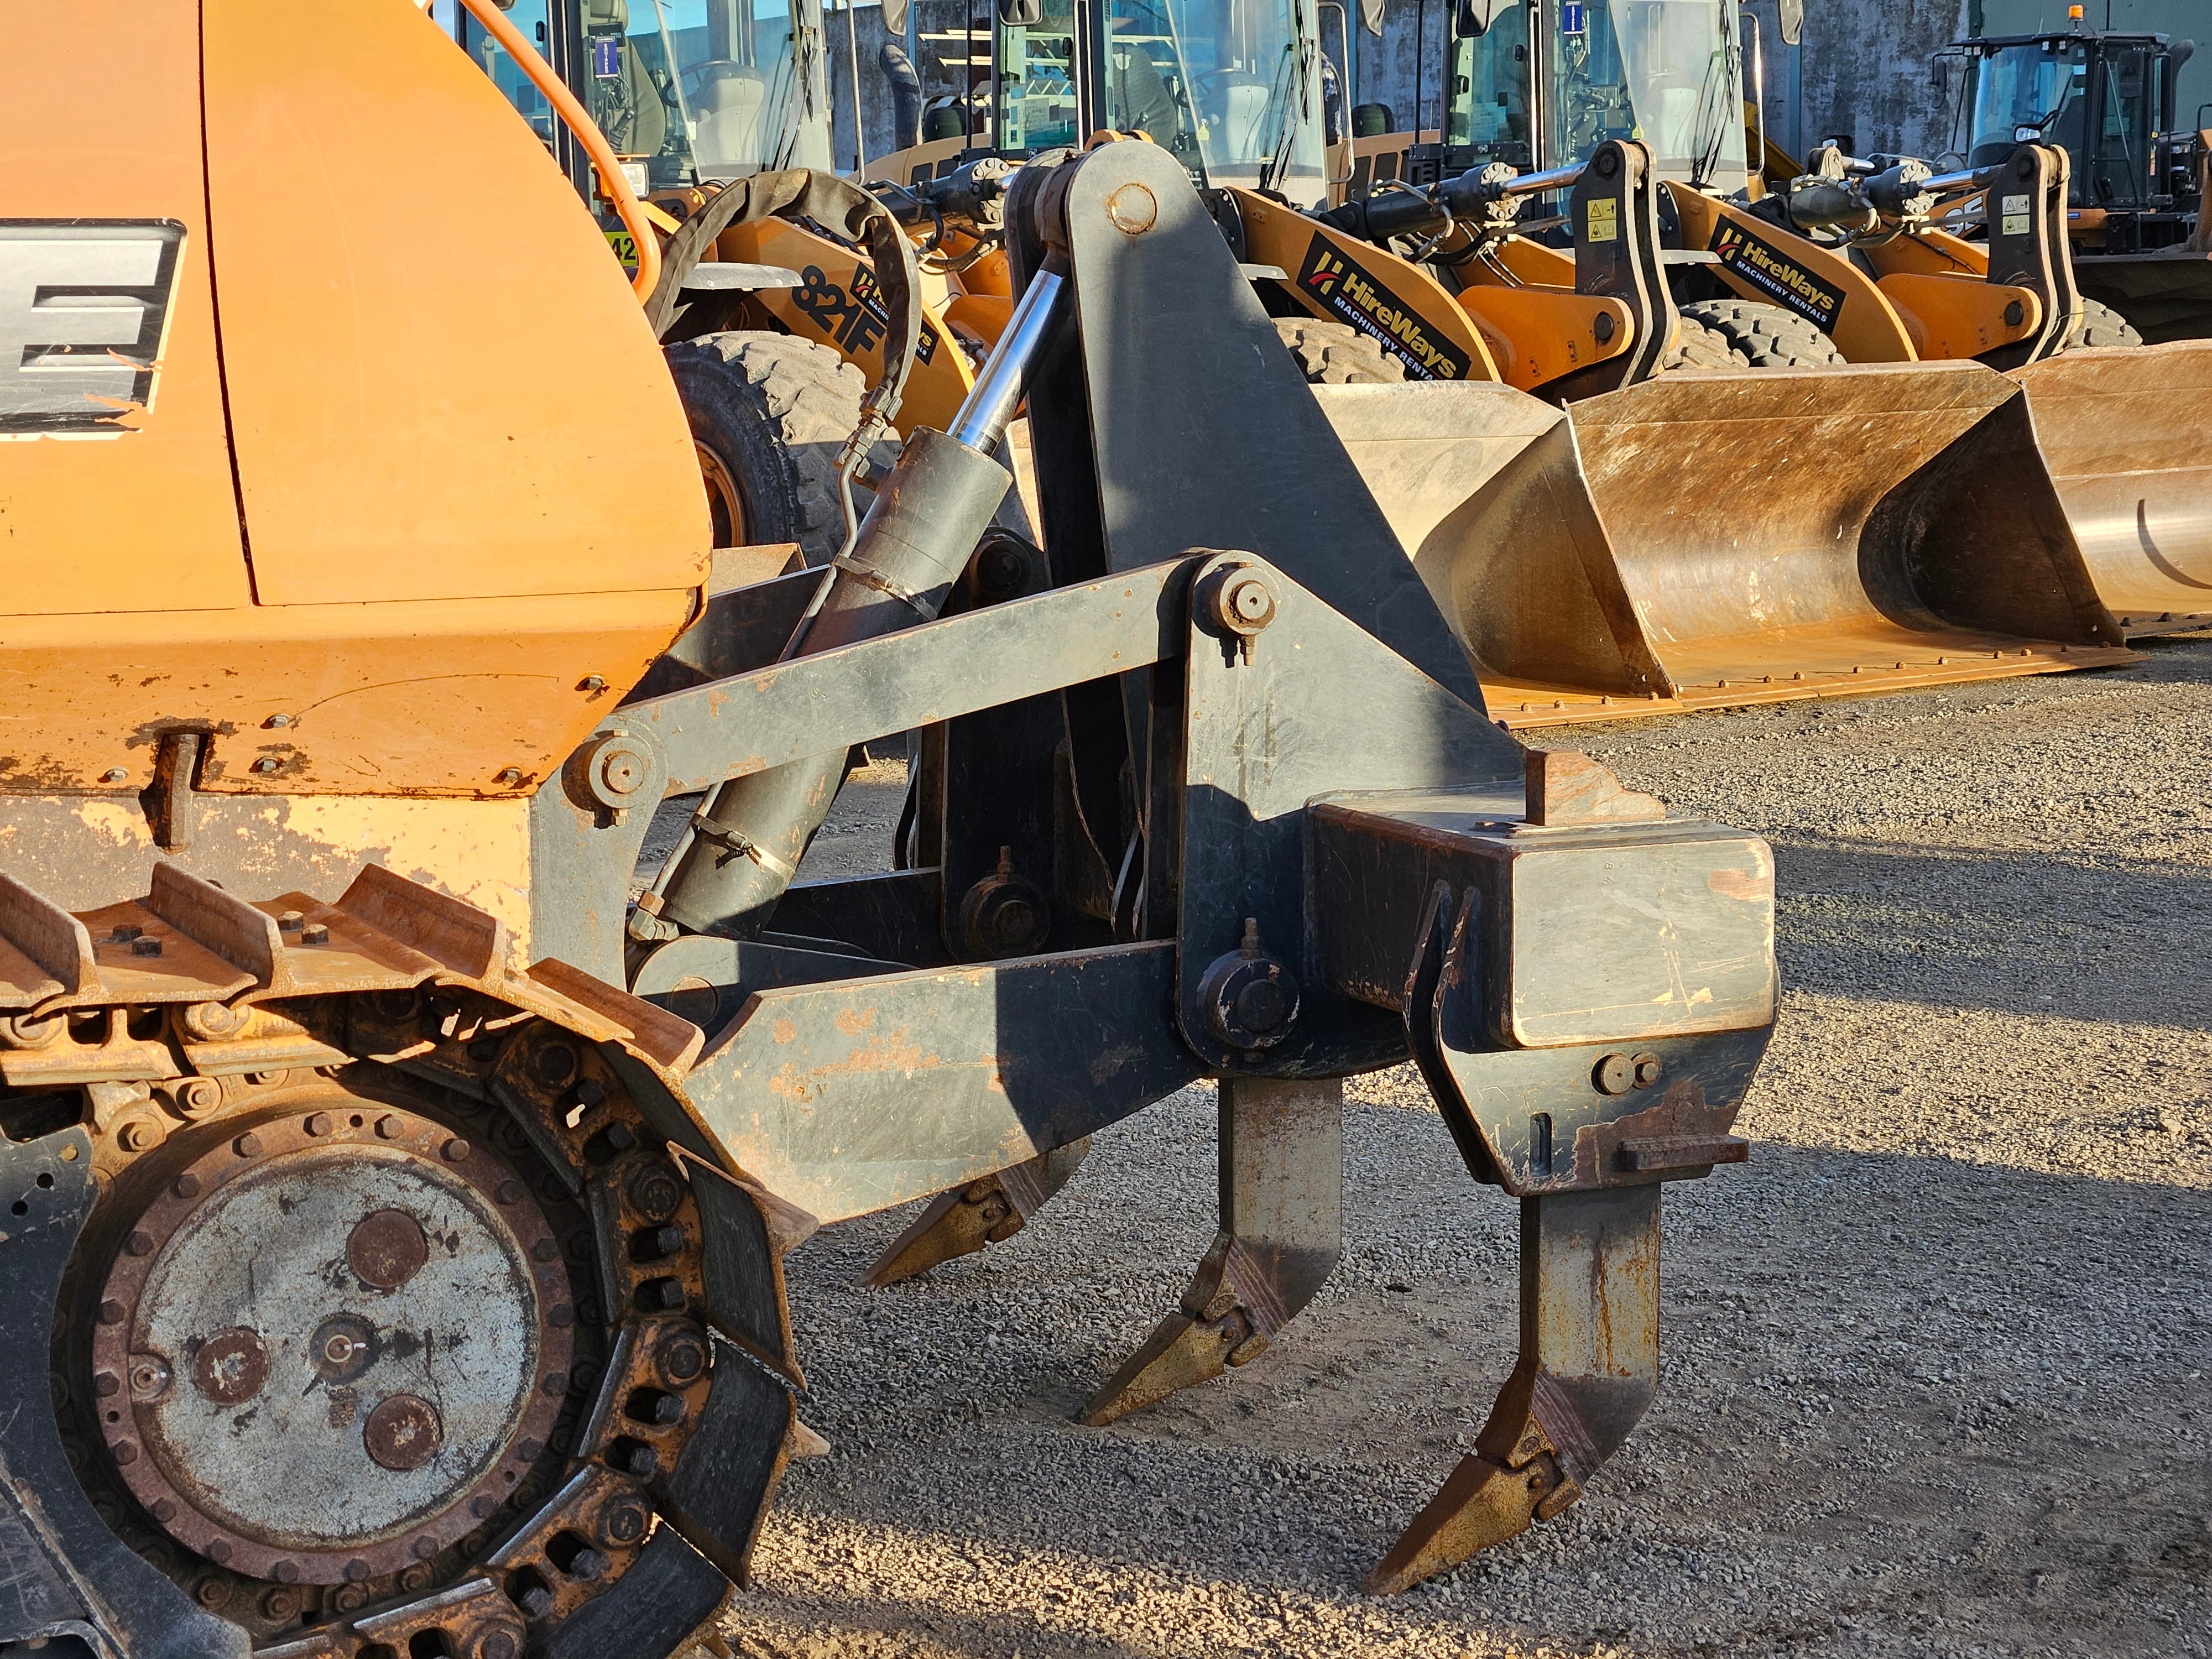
612 182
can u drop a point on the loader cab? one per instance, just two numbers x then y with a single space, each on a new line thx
2103 98
687 91
2108 99
1230 88
1541 84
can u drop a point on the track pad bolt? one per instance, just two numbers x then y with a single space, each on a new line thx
1647 1071
1614 1074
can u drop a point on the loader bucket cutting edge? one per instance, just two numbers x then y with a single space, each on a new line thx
2127 435
1837 532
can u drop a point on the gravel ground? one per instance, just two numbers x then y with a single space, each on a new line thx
1935 1360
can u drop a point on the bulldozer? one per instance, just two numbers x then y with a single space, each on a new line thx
399 1176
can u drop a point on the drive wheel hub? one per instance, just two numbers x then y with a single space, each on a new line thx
332 1345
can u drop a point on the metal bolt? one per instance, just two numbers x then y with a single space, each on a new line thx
139 1134
1647 1070
319 1123
402 1433
554 1064
265 1079
315 933
537 1602
509 776
386 1248
140 1242
621 1524
1602 327
276 1605
123 933
482 1504
680 1358
655 1243
497 1645
126 1453
149 1376
510 1193
389 1127
560 1316
1614 1074
114 774
286 1572
266 764
231 1367
356 1571
278 721
113 1312
591 1091
106 1385
456 1151
590 682
290 920
247 1145
186 1186
145 947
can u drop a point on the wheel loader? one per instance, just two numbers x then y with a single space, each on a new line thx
397 1207
2140 154
1850 250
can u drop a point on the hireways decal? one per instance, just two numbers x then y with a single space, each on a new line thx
1349 292
1777 276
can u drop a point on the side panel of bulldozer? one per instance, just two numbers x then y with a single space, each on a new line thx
93 448
398 617
2128 435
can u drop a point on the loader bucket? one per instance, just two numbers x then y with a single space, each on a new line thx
1736 538
2127 435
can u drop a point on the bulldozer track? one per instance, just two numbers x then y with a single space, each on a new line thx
393 1328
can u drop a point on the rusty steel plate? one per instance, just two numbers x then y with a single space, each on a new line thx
2128 434
332 1345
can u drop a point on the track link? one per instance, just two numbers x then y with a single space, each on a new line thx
392 1322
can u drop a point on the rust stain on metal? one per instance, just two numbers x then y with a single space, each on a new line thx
854 1021
1750 886
786 1031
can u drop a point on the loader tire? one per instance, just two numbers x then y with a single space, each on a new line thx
769 415
2101 325
1738 334
1333 354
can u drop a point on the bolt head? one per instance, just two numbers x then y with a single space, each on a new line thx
315 933
114 774
266 764
508 776
143 947
319 1123
1614 1074
590 682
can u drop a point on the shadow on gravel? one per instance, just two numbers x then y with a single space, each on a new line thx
1895 921
1912 1403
